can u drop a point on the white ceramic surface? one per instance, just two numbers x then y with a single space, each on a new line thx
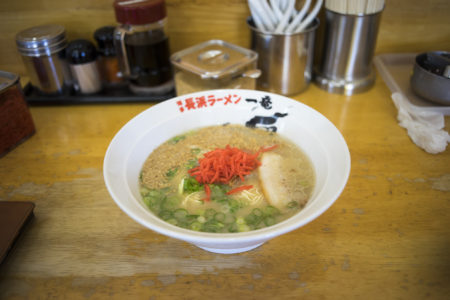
310 130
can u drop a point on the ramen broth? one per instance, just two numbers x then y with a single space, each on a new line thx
277 188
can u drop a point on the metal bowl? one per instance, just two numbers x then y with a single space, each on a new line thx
431 76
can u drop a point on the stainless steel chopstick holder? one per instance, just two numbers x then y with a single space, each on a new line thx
345 64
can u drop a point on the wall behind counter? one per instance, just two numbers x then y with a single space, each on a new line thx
406 25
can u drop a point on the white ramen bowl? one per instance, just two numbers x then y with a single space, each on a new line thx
312 132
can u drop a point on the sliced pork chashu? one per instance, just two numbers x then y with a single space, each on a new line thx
273 180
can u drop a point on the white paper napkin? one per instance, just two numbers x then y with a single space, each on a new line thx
425 128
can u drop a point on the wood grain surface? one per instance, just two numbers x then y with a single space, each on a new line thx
386 237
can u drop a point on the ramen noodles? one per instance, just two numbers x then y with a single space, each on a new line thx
227 178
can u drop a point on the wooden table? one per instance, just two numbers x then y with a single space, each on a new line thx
386 237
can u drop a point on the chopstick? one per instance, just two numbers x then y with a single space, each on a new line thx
355 7
374 6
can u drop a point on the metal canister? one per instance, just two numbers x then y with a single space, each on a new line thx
345 64
42 49
16 123
214 64
285 60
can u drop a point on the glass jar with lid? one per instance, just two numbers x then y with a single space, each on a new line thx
214 64
142 45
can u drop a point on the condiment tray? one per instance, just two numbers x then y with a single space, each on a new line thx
107 95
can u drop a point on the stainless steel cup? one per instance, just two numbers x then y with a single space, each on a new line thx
285 60
345 64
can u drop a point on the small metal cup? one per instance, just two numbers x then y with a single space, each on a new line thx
345 64
285 60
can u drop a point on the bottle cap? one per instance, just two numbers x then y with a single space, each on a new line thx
80 52
41 40
139 12
105 40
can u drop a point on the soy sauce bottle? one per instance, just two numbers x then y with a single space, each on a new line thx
142 46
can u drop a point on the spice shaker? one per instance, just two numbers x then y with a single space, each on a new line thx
214 64
82 57
42 50
107 58
16 123
142 45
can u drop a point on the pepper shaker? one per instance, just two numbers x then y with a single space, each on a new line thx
82 57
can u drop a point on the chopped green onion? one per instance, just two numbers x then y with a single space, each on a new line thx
176 139
191 164
195 226
220 217
172 221
243 227
191 185
271 211
180 214
170 203
240 221
257 212
292 204
209 213
269 221
165 215
213 226
171 172
233 227
195 150
229 218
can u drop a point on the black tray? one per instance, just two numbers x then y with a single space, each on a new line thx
120 94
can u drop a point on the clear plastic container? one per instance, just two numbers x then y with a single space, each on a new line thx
214 64
142 46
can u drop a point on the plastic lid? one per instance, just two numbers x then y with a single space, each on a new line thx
139 12
214 59
105 40
41 40
81 52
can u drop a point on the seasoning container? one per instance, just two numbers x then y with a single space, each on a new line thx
82 57
142 45
214 64
42 50
107 58
16 123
